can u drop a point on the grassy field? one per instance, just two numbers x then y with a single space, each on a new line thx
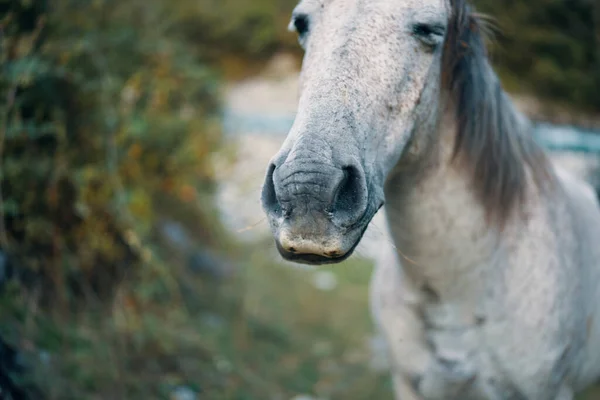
268 333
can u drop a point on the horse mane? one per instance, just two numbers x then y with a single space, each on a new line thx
492 139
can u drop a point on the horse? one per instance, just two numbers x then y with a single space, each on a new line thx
492 288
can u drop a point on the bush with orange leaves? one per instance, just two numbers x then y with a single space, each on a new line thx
108 113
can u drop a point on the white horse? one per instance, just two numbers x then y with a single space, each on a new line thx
494 289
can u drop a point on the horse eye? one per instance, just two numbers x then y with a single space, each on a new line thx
427 30
301 24
429 34
422 30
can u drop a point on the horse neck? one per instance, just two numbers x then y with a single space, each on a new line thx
438 224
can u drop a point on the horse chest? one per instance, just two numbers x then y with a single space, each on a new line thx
451 331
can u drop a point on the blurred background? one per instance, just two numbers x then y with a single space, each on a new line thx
135 261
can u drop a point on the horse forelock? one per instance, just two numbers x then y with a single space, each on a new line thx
492 140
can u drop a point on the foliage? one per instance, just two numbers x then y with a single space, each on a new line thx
250 29
104 113
549 47
109 121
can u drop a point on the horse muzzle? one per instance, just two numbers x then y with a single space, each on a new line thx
316 211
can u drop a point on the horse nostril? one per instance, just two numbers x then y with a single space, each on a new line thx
350 198
269 196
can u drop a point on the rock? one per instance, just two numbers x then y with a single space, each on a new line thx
223 365
207 263
12 361
213 321
184 393
176 235
303 397
325 280
4 272
45 357
199 260
11 369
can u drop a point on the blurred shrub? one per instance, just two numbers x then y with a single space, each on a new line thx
549 47
250 29
106 113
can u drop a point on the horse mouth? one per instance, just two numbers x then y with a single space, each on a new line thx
317 259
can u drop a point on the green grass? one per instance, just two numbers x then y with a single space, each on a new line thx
296 339
267 334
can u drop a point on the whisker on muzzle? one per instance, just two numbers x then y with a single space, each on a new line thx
252 226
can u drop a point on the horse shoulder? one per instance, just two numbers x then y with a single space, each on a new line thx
585 210
538 312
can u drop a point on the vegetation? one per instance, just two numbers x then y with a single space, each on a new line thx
267 334
103 119
108 126
550 48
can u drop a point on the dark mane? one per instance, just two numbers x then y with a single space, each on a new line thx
492 139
